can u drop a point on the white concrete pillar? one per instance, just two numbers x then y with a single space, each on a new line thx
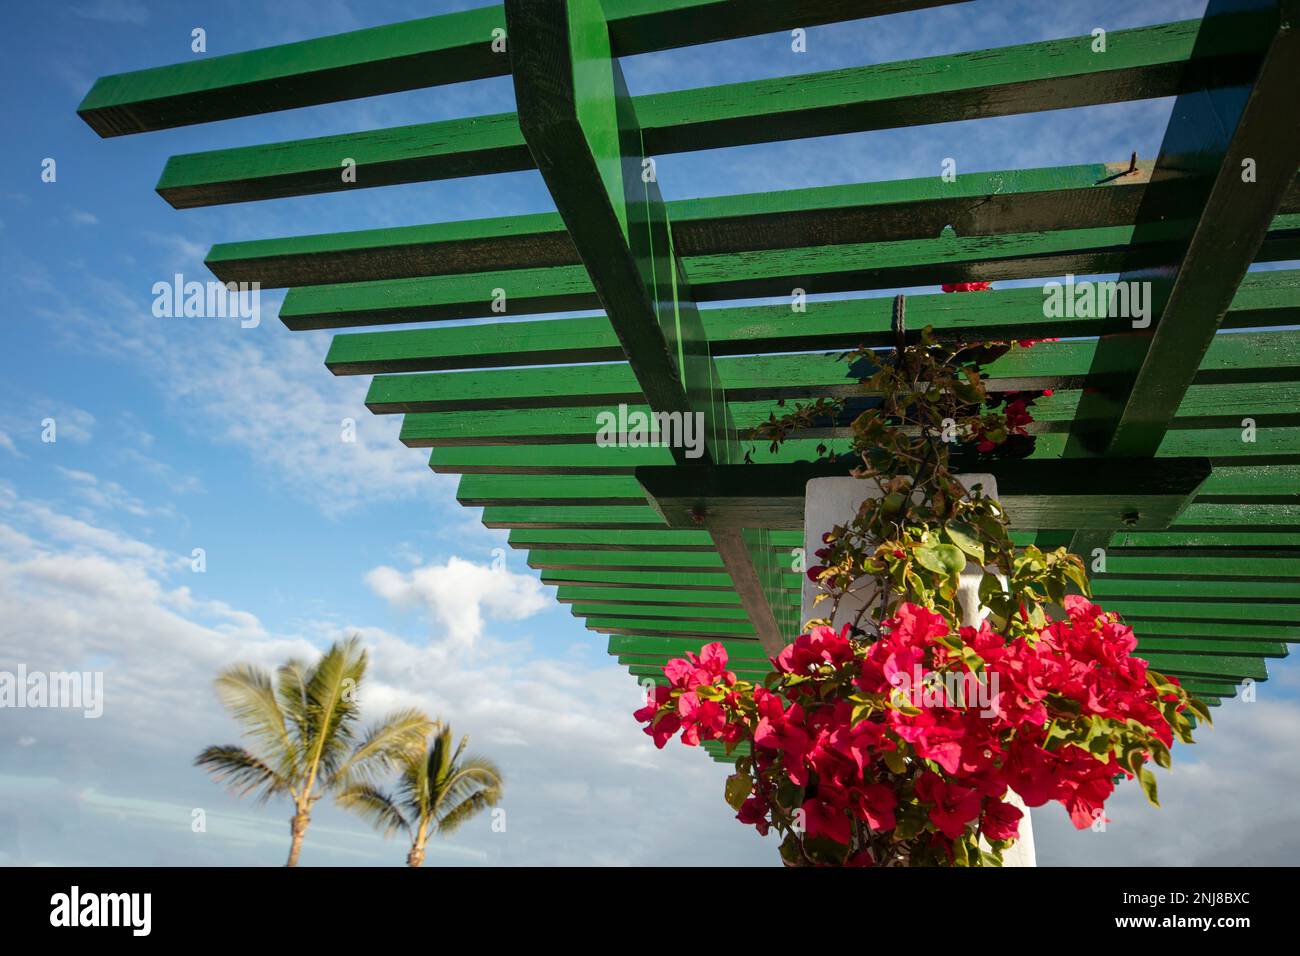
834 501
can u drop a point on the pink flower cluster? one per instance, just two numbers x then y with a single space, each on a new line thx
954 763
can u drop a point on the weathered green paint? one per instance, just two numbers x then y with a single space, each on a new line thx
415 54
1145 62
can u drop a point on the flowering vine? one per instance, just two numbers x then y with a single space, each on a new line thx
896 739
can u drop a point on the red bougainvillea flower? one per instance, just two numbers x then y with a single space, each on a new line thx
706 668
754 812
1001 820
701 719
875 804
966 286
826 818
819 646
667 726
953 805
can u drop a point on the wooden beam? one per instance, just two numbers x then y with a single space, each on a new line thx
581 126
1138 494
1265 299
1221 133
414 54
1145 62
849 267
975 204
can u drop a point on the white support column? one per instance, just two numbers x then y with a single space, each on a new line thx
833 501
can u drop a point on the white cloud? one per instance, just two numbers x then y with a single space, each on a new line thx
459 594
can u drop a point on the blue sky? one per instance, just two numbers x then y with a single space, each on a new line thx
175 434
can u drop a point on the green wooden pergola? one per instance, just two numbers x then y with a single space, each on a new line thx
1140 450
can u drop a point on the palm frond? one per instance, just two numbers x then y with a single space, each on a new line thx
291 691
386 745
241 772
462 812
374 806
439 756
245 690
332 706
473 775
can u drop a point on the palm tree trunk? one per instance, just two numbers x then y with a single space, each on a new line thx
297 830
416 856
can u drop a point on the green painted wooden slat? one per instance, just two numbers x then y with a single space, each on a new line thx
1270 298
644 665
1208 665
706 629
588 540
711 585
667 647
974 204
677 613
1235 357
1149 62
478 490
1239 516
595 540
1241 631
1211 566
1107 588
1278 405
1216 443
1194 646
573 594
1205 611
414 54
592 459
693 561
576 516
847 267
1242 482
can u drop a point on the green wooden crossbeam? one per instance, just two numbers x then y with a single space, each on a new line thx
1239 357
975 204
1236 486
1039 494
583 130
693 561
1219 132
1265 299
1146 62
415 54
847 267
572 594
1108 588
1205 407
708 585
589 540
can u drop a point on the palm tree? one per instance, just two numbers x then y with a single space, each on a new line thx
436 793
306 734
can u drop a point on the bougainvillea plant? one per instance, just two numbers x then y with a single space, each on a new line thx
896 739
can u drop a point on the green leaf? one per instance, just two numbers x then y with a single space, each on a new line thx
947 559
895 762
1148 780
739 787
965 537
